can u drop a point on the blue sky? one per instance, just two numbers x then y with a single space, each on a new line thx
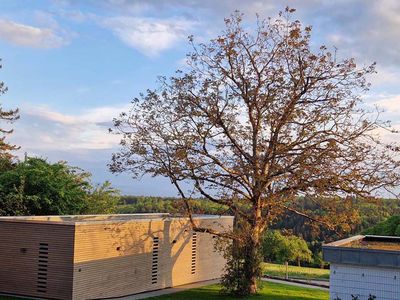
71 66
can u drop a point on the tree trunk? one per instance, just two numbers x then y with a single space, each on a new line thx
252 259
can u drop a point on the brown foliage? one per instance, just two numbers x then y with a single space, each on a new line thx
260 118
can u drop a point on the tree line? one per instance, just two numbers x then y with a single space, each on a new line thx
292 238
364 214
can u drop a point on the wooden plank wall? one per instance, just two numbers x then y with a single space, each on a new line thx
101 260
118 259
36 259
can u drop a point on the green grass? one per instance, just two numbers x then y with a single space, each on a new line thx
295 272
270 291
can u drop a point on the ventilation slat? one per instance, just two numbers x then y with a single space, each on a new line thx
154 265
42 268
194 253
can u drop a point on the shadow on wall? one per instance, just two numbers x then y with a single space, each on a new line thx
122 258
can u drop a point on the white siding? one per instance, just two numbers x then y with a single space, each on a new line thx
347 280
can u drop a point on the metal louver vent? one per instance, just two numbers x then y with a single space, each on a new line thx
154 266
194 252
43 260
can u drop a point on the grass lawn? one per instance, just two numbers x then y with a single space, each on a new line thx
295 272
270 291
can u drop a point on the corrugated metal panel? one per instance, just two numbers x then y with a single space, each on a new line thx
347 280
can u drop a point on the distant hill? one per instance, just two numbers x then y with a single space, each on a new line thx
366 217
390 226
148 204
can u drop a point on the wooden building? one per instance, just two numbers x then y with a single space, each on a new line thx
105 256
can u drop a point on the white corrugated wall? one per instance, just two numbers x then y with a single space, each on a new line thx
348 280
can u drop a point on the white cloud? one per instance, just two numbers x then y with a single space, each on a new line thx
147 35
386 77
389 107
45 19
220 7
372 36
42 129
74 15
30 36
388 135
390 104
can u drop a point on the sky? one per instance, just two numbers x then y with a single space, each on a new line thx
72 66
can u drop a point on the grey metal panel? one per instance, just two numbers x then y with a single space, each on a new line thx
362 257
331 255
387 259
369 259
350 257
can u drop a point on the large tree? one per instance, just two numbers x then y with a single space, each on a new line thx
260 117
6 116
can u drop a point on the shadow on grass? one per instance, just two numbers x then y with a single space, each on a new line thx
270 291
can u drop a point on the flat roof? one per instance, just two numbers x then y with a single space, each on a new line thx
110 218
366 250
375 242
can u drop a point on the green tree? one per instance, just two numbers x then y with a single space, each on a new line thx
299 251
102 199
7 116
390 227
280 248
144 204
44 188
259 118
318 260
37 187
271 245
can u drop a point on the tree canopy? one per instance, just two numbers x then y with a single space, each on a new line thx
259 118
6 116
36 187
390 227
280 248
